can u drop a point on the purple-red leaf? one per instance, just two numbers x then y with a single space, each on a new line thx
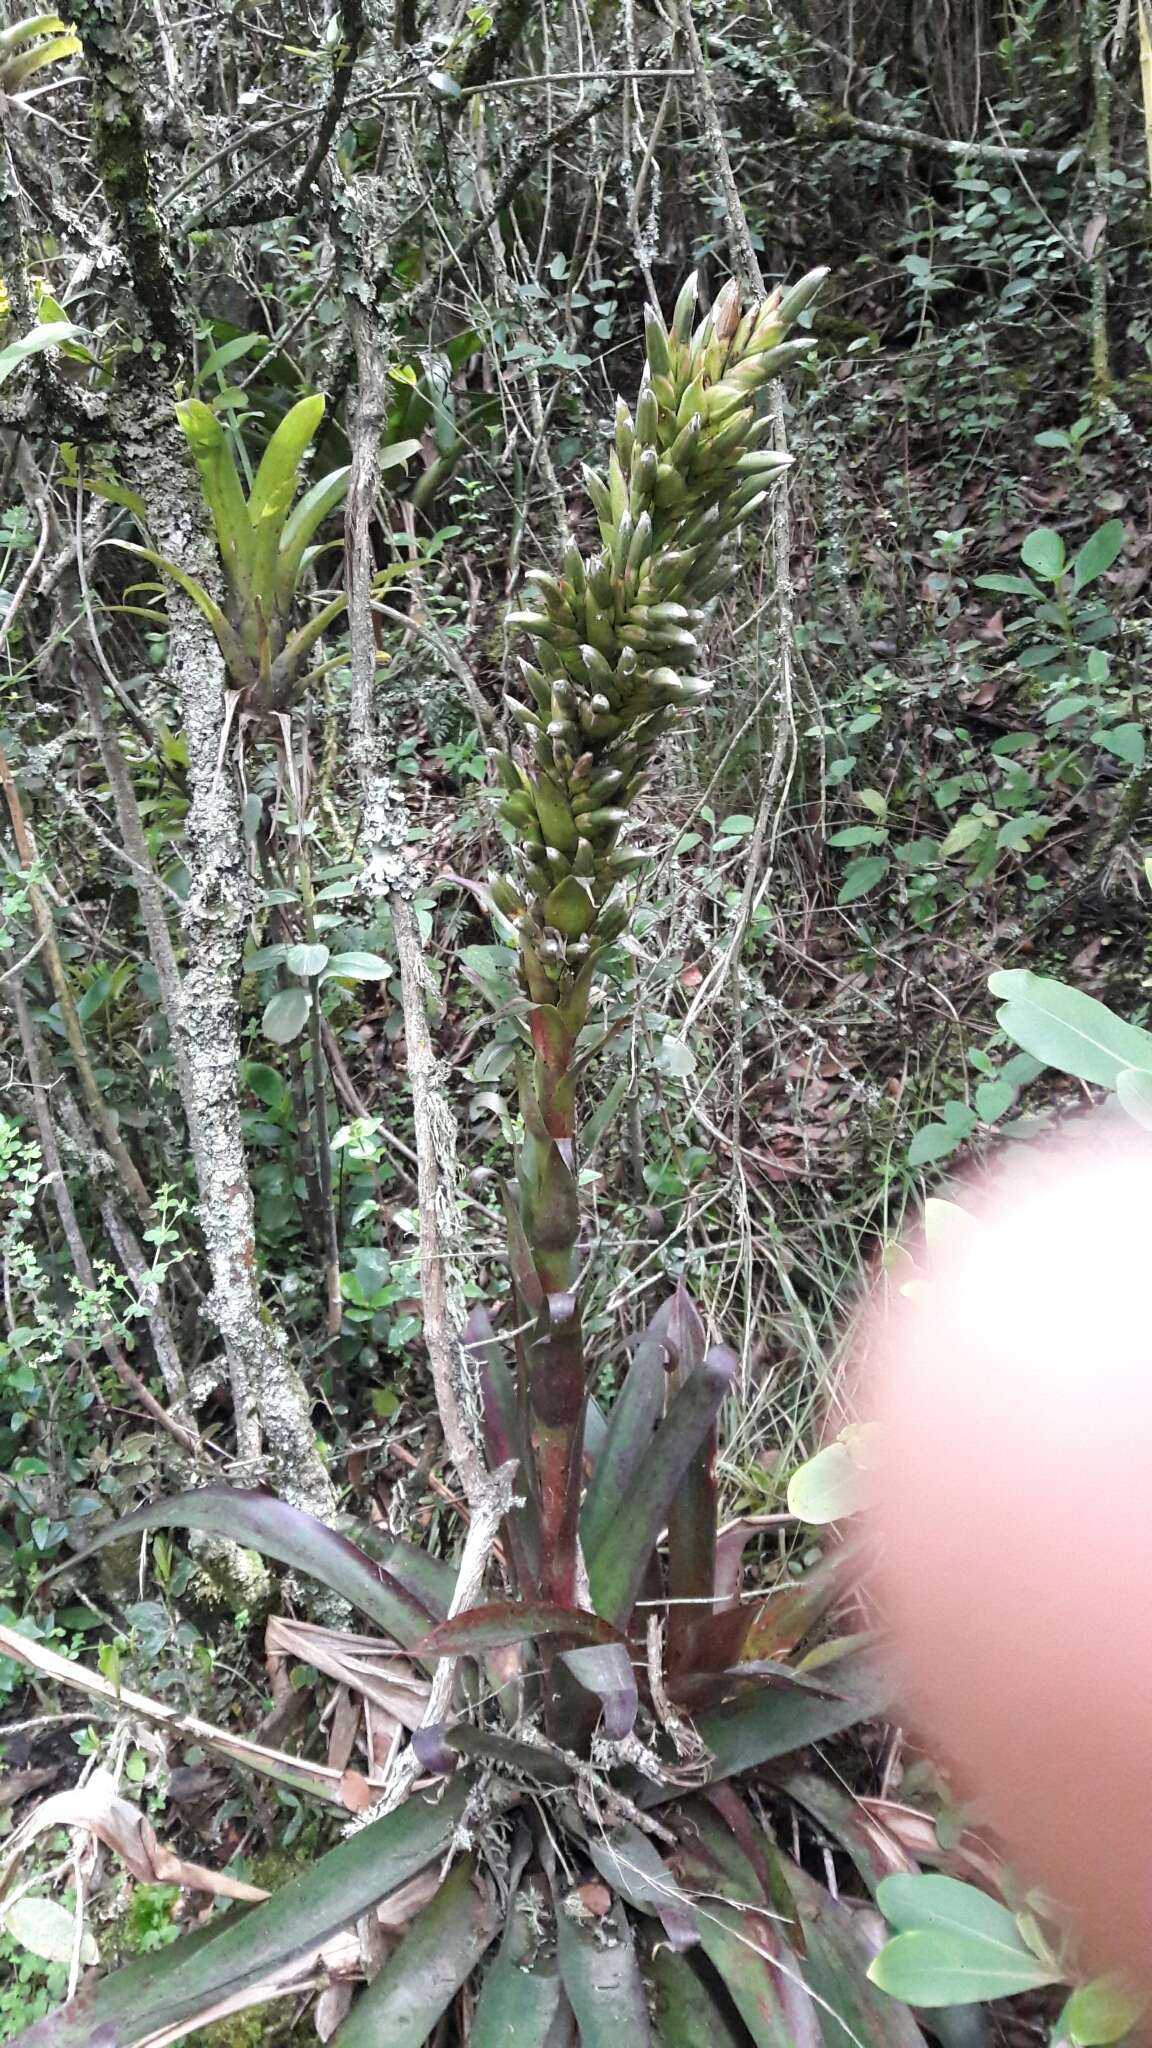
605 1669
632 1423
635 1868
260 1522
501 1622
617 1563
551 1036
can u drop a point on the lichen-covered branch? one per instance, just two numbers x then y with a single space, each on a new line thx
273 1413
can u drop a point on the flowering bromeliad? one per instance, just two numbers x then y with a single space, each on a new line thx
616 661
579 1865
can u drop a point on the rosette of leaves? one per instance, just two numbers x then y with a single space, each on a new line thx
616 662
265 538
600 1817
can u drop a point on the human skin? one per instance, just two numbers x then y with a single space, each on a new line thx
1014 1517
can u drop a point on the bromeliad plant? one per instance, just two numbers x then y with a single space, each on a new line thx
580 1824
27 46
266 545
616 664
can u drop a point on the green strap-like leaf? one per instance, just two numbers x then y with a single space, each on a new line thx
230 644
687 2011
621 1556
427 1578
311 512
630 1862
284 668
601 1977
499 1623
762 1976
274 487
211 451
853 2014
774 1723
261 1522
19 70
172 1988
521 2004
441 1948
49 335
31 26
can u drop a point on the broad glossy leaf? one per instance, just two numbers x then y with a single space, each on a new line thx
930 1967
1014 586
1067 1029
170 1989
394 453
774 1723
307 960
916 1899
618 1561
1125 741
1134 1090
833 1484
260 1522
286 1013
601 1978
1100 2012
687 2013
354 966
47 1929
1098 553
1042 551
440 1949
861 877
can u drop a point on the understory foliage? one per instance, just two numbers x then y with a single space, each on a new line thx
415 759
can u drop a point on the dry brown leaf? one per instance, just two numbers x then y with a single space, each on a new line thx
347 1712
98 1808
321 1782
332 2006
916 1834
362 1663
